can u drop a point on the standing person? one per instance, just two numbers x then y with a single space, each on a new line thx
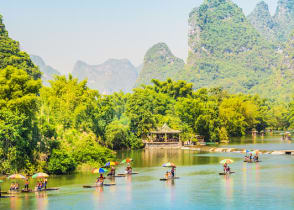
225 167
27 184
172 171
45 183
112 171
16 186
250 157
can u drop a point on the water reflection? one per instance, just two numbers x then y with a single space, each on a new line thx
157 157
41 200
170 184
129 187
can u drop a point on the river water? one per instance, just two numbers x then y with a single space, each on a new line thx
265 185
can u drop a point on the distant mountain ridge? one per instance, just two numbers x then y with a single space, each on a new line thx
277 27
48 71
111 76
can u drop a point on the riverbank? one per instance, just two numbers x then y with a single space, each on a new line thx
236 150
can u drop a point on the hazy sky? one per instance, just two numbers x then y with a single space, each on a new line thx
64 31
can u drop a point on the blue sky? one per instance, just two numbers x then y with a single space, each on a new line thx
64 31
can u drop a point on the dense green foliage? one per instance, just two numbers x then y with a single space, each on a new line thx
19 90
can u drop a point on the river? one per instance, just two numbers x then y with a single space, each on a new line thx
265 185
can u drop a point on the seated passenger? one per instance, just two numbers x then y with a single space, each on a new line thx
12 186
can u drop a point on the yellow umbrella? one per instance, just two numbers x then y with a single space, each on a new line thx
227 161
16 176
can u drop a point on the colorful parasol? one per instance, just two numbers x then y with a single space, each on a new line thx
39 175
128 160
111 163
255 152
169 164
99 170
227 161
16 176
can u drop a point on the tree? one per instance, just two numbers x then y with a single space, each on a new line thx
18 129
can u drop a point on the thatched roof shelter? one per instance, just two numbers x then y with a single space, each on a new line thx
165 130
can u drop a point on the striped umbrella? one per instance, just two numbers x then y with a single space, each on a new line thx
39 175
111 163
16 176
99 170
169 164
128 160
227 161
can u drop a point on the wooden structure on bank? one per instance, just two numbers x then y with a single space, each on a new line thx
164 137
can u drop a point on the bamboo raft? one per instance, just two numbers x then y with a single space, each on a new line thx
133 173
113 176
42 190
164 179
6 196
94 186
223 173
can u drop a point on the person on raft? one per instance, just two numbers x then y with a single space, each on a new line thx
225 167
129 169
39 186
45 183
172 171
27 184
100 180
250 157
255 158
228 170
246 159
12 186
166 175
112 172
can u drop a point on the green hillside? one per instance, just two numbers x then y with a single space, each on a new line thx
11 55
159 63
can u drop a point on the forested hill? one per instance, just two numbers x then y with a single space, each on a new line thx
48 72
10 54
226 50
111 76
159 63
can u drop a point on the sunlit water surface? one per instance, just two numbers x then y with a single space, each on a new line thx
265 185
